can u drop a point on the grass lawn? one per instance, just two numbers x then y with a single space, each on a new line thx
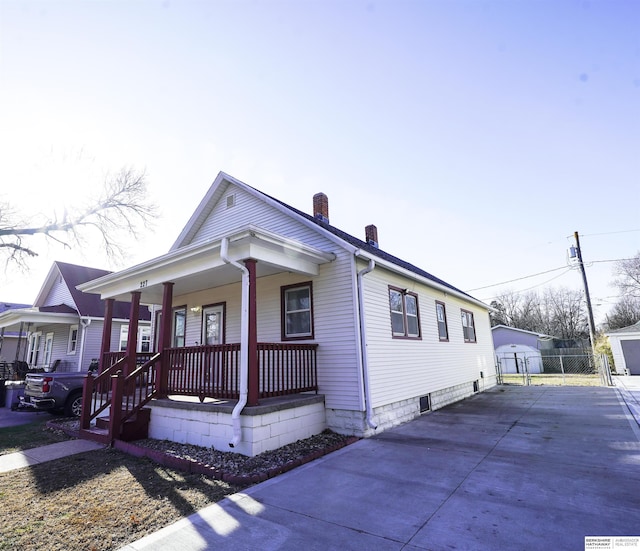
94 501
552 379
97 501
31 435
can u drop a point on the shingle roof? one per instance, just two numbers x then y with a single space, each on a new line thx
90 304
366 246
4 306
635 328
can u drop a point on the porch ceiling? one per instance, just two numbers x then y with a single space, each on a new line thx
200 266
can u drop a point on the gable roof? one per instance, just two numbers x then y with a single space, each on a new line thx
340 237
635 328
541 335
11 306
85 304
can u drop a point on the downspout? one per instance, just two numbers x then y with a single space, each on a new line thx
363 343
244 343
84 323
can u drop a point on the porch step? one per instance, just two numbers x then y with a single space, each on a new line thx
135 428
96 435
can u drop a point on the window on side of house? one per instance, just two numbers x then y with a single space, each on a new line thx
73 340
143 340
468 326
441 316
297 311
405 315
179 326
124 337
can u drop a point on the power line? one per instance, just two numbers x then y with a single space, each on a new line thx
517 279
545 272
538 285
608 233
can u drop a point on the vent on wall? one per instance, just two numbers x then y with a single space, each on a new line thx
425 403
231 201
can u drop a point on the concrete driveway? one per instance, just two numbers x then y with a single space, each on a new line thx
511 468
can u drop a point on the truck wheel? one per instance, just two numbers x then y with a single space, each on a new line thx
73 407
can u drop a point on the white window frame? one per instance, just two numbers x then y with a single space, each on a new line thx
285 290
144 336
72 345
48 348
34 348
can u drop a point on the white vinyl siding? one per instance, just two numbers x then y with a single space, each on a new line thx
404 368
335 330
58 294
334 327
251 210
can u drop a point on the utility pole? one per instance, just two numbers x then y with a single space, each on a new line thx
592 325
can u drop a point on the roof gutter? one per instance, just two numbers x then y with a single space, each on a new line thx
244 344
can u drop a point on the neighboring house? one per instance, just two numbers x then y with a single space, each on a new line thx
625 346
11 342
518 349
64 326
263 304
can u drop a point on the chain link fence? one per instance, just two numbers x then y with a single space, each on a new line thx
553 369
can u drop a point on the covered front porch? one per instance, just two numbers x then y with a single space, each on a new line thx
237 375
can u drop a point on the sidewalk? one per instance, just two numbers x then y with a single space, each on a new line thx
511 468
629 389
33 456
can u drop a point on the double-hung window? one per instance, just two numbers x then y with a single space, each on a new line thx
297 311
405 317
179 326
468 326
73 340
441 316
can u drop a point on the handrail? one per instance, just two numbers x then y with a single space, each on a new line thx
96 393
141 378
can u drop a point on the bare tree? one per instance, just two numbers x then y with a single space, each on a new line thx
624 313
559 312
628 276
118 211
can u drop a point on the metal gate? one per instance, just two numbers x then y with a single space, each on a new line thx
570 370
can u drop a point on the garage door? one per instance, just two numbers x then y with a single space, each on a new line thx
631 351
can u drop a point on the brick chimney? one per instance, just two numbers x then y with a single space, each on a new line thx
321 207
371 235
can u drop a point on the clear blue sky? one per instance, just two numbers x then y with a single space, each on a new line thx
477 135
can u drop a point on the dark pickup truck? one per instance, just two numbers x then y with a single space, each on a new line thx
55 392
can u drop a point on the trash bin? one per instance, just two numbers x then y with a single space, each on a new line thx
14 389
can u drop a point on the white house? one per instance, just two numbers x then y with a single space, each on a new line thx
282 325
625 346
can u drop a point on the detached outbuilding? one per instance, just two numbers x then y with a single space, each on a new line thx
625 346
517 349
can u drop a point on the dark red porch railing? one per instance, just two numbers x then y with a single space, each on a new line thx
214 371
210 371
287 368
202 371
